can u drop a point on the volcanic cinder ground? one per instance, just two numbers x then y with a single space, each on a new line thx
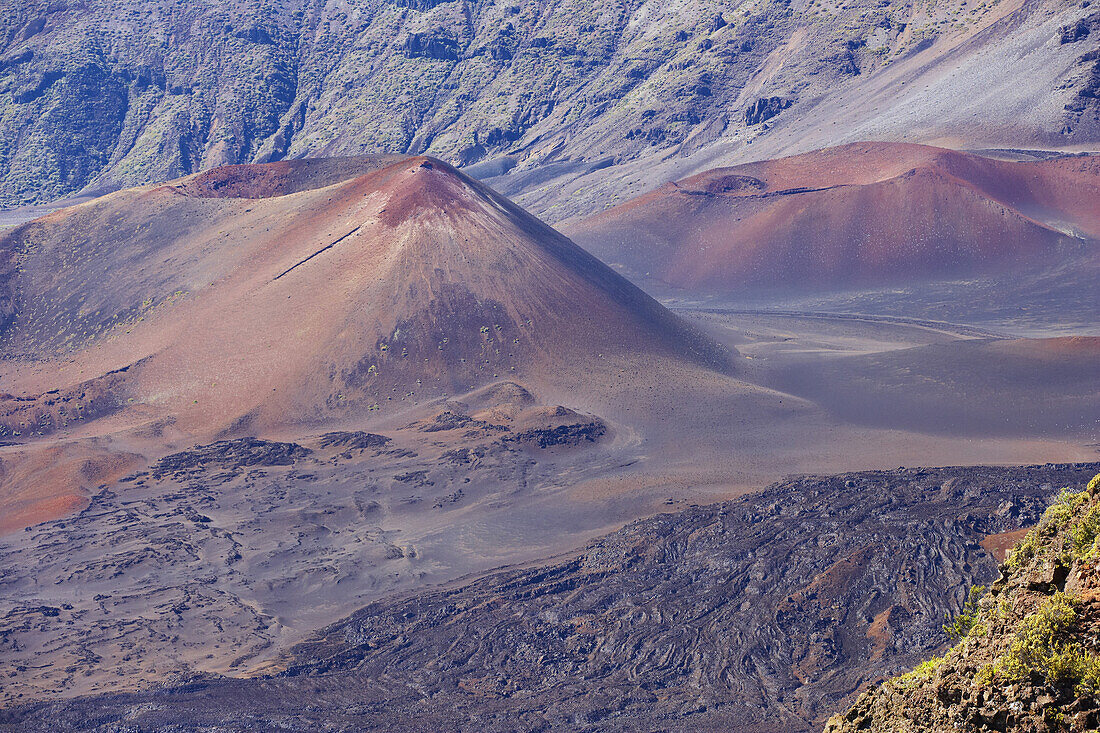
395 377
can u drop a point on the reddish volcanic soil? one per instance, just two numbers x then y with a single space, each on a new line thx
286 296
1085 349
259 398
288 299
226 304
292 298
40 483
857 215
279 179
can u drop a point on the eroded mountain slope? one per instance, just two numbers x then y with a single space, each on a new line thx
109 93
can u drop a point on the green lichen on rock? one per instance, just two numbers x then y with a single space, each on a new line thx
1027 656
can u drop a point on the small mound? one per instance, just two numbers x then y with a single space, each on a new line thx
499 402
545 426
41 483
544 415
507 413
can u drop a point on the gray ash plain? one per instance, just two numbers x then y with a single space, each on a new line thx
220 557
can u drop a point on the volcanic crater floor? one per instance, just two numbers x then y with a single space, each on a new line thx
762 613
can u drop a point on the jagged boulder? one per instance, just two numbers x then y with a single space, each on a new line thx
764 109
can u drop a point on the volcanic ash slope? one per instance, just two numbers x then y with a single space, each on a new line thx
864 214
254 296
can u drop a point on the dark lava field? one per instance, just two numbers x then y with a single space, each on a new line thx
759 614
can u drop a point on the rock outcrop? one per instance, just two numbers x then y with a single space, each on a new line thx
1028 656
764 109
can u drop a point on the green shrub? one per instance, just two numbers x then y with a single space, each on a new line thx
1083 535
1043 644
1058 516
963 624
923 672
1064 508
1024 550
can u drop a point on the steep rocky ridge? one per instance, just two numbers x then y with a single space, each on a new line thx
1028 659
763 613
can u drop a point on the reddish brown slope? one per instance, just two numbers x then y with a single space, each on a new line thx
280 178
400 284
861 214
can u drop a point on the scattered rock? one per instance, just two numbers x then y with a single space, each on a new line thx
356 440
230 454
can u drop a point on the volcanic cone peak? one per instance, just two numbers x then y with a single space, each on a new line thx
406 282
863 214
